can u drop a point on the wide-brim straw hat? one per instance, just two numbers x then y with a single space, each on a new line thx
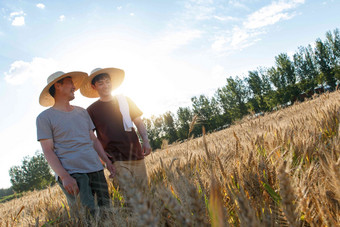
116 75
45 99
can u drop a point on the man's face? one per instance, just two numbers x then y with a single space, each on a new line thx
103 86
66 88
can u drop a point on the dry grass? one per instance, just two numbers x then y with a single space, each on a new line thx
281 169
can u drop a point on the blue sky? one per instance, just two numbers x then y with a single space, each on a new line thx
170 50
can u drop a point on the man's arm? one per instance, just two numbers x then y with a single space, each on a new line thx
101 153
143 133
69 183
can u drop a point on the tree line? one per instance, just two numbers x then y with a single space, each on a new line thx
310 70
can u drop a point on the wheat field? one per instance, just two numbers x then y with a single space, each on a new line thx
281 169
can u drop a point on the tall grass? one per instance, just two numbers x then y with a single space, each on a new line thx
281 169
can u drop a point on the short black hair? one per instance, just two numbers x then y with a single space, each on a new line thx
52 88
99 77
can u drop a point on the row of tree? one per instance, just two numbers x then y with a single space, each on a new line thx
292 78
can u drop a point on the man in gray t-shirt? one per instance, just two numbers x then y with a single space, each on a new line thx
69 144
70 132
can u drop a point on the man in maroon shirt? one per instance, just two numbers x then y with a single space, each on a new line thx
113 117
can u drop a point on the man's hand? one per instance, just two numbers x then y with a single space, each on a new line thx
110 167
70 185
146 148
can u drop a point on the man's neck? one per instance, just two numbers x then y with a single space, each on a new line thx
106 98
63 105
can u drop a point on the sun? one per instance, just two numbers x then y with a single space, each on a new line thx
142 97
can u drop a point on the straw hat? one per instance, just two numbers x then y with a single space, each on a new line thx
116 75
46 99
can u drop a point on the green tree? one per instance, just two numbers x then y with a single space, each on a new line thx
283 78
232 99
217 116
155 132
259 86
184 118
34 173
169 127
337 73
324 59
207 112
333 43
306 69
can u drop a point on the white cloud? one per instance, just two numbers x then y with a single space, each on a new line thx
20 13
18 18
61 18
227 18
18 21
37 70
254 25
132 14
237 39
242 38
120 7
271 14
40 6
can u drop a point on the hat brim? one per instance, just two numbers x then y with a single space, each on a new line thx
116 75
45 99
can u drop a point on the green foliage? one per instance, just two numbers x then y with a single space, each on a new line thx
285 68
154 129
184 116
232 98
306 69
10 197
7 194
259 86
333 45
275 196
337 72
324 59
207 111
34 173
169 127
6 191
283 78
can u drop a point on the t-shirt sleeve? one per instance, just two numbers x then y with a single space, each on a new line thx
44 129
134 110
91 125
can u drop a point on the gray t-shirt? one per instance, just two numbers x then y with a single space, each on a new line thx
70 132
